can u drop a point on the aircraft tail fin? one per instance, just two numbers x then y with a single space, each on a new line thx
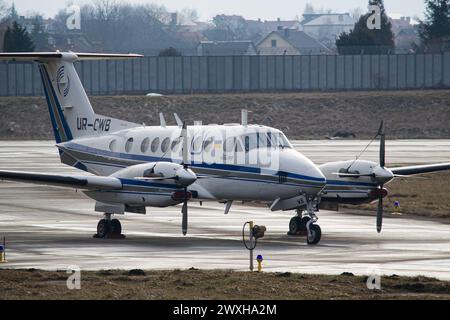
70 110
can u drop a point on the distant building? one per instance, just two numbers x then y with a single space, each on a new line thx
327 27
72 41
406 34
226 48
186 42
400 23
273 25
407 40
289 42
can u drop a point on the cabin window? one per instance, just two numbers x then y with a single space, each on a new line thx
113 145
165 145
176 144
247 143
208 144
197 145
233 144
129 145
228 146
145 144
239 147
274 43
155 145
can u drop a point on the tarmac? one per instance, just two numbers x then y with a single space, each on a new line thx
52 228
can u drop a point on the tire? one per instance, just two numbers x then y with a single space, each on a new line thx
303 223
103 228
294 225
316 234
116 227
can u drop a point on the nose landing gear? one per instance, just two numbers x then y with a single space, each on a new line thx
304 224
108 228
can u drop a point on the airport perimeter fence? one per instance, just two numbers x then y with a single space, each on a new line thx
242 74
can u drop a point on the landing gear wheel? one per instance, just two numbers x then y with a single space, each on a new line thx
103 228
303 223
116 227
294 225
316 234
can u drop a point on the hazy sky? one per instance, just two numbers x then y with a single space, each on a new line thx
251 9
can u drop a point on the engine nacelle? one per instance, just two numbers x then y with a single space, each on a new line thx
162 171
154 184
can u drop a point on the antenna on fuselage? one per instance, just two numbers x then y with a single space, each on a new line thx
162 120
244 117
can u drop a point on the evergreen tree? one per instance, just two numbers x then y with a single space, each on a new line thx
369 41
169 52
12 14
435 30
17 39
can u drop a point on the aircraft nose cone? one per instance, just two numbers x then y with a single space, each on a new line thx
382 175
316 175
320 177
185 177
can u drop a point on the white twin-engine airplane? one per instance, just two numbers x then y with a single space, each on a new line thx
136 166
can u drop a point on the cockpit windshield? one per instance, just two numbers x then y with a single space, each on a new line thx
266 139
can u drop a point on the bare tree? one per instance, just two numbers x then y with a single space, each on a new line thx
187 16
2 10
356 13
309 9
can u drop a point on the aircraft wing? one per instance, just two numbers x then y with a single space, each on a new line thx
62 180
407 171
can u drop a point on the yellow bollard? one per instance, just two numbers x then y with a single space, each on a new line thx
2 254
259 258
397 208
251 244
3 251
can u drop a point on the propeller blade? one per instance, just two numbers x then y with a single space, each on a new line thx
154 178
185 144
380 214
409 177
382 145
381 128
184 211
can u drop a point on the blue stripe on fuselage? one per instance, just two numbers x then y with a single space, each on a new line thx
144 158
350 183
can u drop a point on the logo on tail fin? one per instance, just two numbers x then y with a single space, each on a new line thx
63 82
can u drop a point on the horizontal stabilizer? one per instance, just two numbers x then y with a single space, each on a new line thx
46 56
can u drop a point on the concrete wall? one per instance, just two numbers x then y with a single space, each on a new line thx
242 73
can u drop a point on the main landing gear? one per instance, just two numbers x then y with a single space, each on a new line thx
109 228
304 224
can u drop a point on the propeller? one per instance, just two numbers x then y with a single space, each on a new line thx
382 144
184 210
382 136
380 214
